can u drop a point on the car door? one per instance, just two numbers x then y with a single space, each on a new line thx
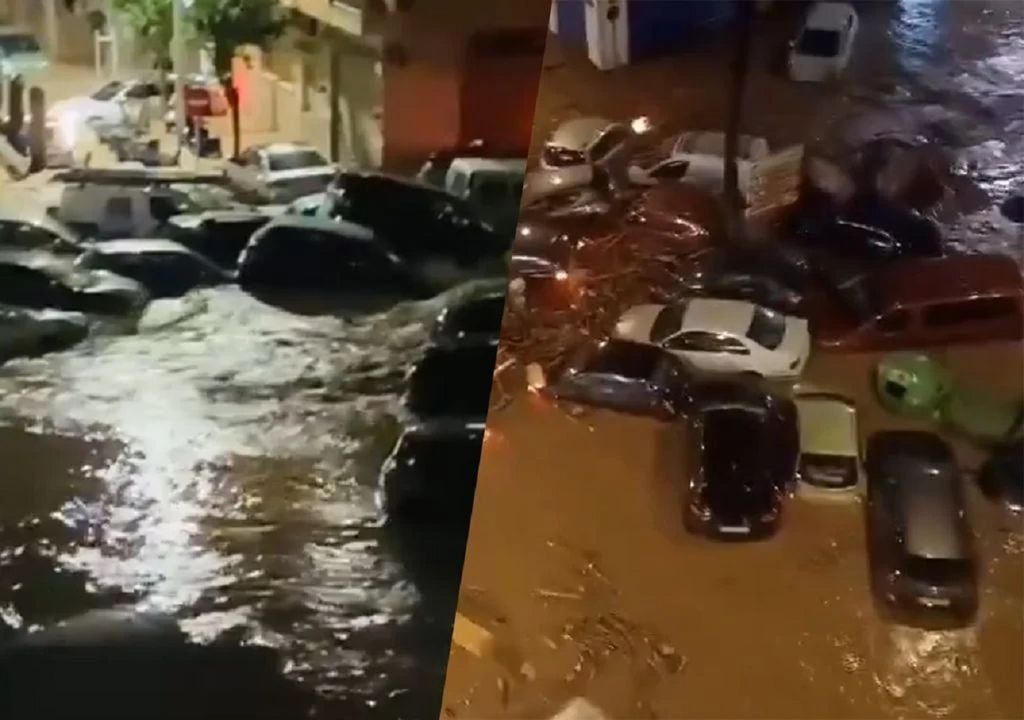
710 351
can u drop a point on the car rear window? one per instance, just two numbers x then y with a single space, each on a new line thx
296 160
938 570
767 328
820 43
625 360
968 311
668 322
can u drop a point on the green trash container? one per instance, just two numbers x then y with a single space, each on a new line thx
912 384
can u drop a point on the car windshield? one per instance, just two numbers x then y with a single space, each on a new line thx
668 323
819 43
108 91
767 328
296 160
15 44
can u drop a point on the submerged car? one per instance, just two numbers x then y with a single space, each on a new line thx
770 280
27 333
743 444
1001 478
822 50
435 169
316 255
829 446
39 280
452 380
431 473
623 376
280 172
417 221
923 567
165 268
474 319
722 335
25 225
219 235
915 303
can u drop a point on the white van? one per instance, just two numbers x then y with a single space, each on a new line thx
492 187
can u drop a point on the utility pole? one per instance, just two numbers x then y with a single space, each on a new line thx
178 55
735 219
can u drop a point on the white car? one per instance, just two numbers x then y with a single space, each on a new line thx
281 172
698 158
822 49
116 103
730 336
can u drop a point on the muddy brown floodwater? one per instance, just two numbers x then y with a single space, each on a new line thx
577 558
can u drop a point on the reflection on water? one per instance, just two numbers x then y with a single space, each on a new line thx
922 673
219 465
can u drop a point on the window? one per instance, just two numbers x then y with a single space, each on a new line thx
108 92
699 341
459 184
970 311
295 160
819 43
667 323
670 170
610 139
893 322
142 91
767 328
119 209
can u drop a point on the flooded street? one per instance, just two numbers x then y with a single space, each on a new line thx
220 466
577 557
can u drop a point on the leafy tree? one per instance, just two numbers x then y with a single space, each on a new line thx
153 23
228 25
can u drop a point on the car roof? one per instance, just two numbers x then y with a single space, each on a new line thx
923 281
274 148
713 315
827 15
341 228
140 245
497 165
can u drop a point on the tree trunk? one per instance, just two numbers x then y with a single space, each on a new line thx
236 131
37 129
15 110
734 201
335 93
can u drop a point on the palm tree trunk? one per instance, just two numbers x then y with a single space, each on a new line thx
734 202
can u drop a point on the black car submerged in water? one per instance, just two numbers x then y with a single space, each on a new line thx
745 446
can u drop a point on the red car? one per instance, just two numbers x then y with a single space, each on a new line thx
922 302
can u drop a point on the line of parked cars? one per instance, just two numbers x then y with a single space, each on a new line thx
861 275
430 475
